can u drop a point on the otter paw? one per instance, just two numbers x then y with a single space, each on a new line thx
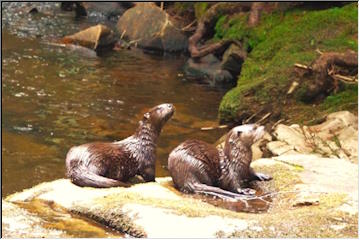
246 191
263 177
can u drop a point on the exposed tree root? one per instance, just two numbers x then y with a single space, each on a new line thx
328 72
207 23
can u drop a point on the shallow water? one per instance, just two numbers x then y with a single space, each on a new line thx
54 98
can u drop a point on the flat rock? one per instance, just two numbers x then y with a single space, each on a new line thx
135 219
309 191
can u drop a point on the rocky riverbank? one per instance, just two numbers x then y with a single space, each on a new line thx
313 194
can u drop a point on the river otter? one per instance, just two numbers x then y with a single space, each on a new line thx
198 167
112 164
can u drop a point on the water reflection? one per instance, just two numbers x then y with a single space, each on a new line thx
54 98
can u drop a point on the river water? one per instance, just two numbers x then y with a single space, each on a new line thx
54 98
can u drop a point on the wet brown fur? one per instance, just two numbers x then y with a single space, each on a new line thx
198 167
103 164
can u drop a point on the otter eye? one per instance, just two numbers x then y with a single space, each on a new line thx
238 133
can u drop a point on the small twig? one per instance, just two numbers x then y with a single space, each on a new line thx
298 65
277 123
319 52
212 128
187 27
292 87
135 41
251 117
123 34
55 44
162 5
264 117
346 79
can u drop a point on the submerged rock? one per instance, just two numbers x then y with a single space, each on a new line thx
151 28
207 69
98 37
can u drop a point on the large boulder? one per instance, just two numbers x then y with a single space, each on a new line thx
151 28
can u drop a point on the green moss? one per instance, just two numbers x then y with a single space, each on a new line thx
280 40
345 100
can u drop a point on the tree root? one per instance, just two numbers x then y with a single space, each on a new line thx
328 72
207 23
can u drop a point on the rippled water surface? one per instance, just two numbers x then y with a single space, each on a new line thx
54 97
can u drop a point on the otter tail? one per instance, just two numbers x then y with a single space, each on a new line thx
85 178
220 193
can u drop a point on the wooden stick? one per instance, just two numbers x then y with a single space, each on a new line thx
277 123
251 117
123 34
162 5
298 65
346 79
189 25
264 117
292 87
212 128
318 51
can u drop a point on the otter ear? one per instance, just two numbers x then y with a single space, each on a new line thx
147 115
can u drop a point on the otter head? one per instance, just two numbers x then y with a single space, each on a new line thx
247 134
158 116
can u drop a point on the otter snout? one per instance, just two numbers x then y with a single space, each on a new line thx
168 109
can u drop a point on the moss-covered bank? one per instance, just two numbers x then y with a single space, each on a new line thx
281 39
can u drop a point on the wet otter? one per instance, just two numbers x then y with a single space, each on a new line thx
198 167
112 164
